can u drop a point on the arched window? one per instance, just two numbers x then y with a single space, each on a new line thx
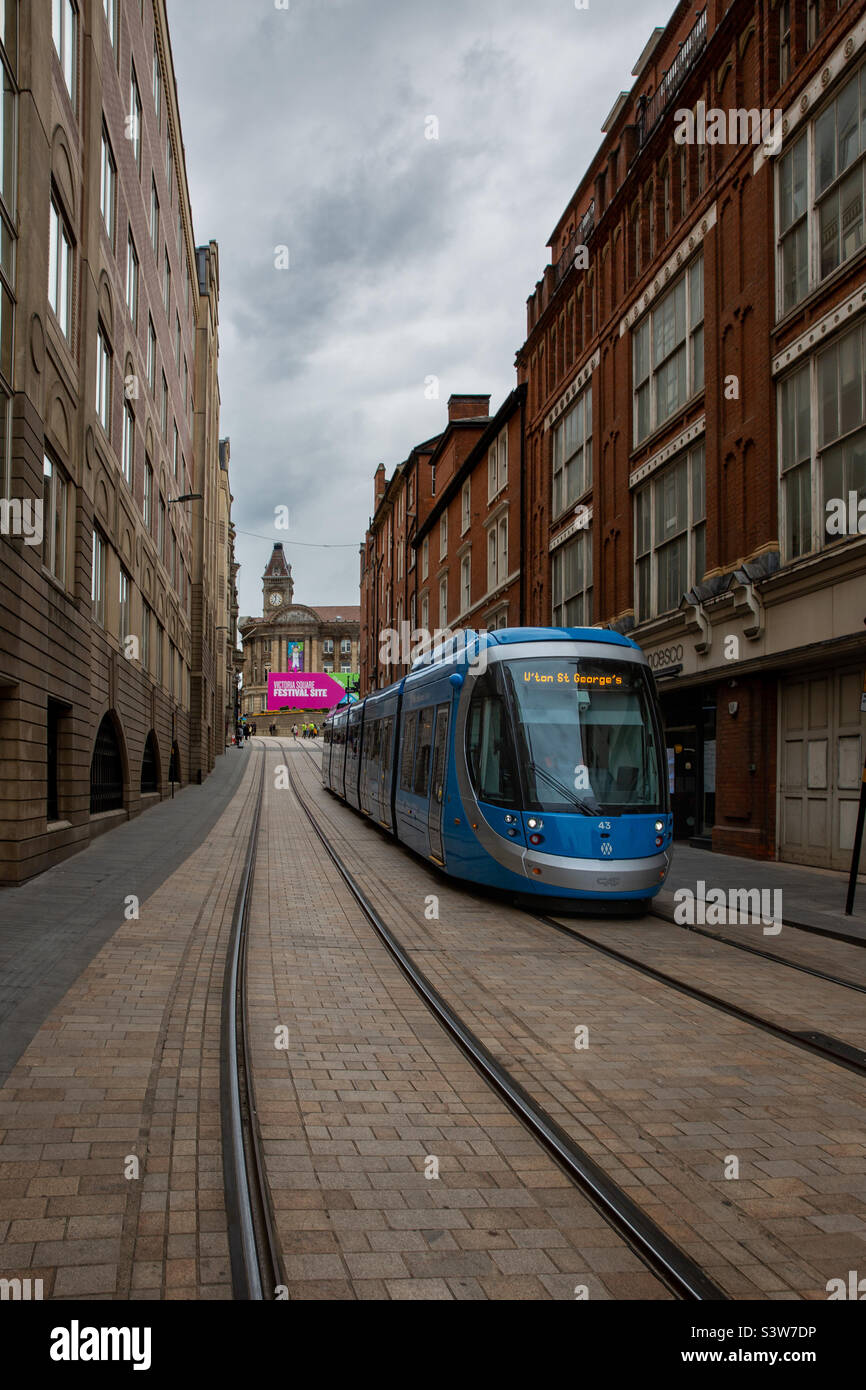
150 765
106 770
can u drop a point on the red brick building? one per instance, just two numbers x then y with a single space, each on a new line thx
443 550
686 451
695 365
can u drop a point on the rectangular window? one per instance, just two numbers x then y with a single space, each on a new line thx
425 557
160 649
425 612
166 285
820 221
792 221
465 583
466 508
128 451
421 776
812 18
407 760
103 380
151 355
133 123
110 7
670 540
164 408
784 41
108 185
147 505
443 602
132 280
55 494
60 270
443 536
176 453
668 353
157 86
154 216
146 620
123 597
346 646
160 529
822 454
572 453
328 647
64 29
169 165
97 579
571 582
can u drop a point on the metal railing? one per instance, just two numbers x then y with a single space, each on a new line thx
653 110
580 238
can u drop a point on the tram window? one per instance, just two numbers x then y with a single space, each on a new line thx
386 744
354 725
408 756
489 747
422 751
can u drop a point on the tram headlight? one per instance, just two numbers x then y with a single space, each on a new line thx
510 820
535 824
660 825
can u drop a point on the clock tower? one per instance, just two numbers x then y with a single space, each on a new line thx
277 585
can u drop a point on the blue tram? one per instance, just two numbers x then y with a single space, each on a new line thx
528 759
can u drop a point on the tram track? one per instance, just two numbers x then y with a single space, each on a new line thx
682 1275
721 939
254 1251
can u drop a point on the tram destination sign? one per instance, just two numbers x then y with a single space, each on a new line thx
303 692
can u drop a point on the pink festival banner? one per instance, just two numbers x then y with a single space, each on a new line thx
303 692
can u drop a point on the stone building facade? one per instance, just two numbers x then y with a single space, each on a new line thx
293 637
111 682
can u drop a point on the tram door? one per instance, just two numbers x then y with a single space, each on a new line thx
437 782
384 789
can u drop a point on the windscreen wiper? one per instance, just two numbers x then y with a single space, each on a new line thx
582 806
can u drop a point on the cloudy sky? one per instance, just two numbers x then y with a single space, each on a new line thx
306 127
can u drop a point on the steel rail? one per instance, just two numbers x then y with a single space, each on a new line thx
253 1246
677 1270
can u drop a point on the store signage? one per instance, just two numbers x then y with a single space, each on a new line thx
303 692
665 656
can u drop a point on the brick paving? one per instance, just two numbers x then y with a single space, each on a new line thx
52 927
369 1090
668 1088
815 897
125 1066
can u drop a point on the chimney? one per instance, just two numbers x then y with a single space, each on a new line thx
468 408
378 486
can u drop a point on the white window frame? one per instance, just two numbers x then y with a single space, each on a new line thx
578 463
104 364
647 377
466 582
443 535
134 116
443 601
97 576
808 456
128 447
154 215
581 590
151 355
108 185
425 557
466 507
694 462
64 31
806 222
60 269
132 279
55 518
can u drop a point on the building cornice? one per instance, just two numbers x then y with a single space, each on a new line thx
676 262
824 327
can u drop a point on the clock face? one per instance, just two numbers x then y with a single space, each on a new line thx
276 600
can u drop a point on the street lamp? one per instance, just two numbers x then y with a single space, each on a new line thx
186 497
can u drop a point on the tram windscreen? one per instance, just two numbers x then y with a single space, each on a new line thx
586 738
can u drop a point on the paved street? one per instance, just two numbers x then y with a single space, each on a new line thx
393 1171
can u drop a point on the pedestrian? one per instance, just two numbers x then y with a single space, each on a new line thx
295 732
